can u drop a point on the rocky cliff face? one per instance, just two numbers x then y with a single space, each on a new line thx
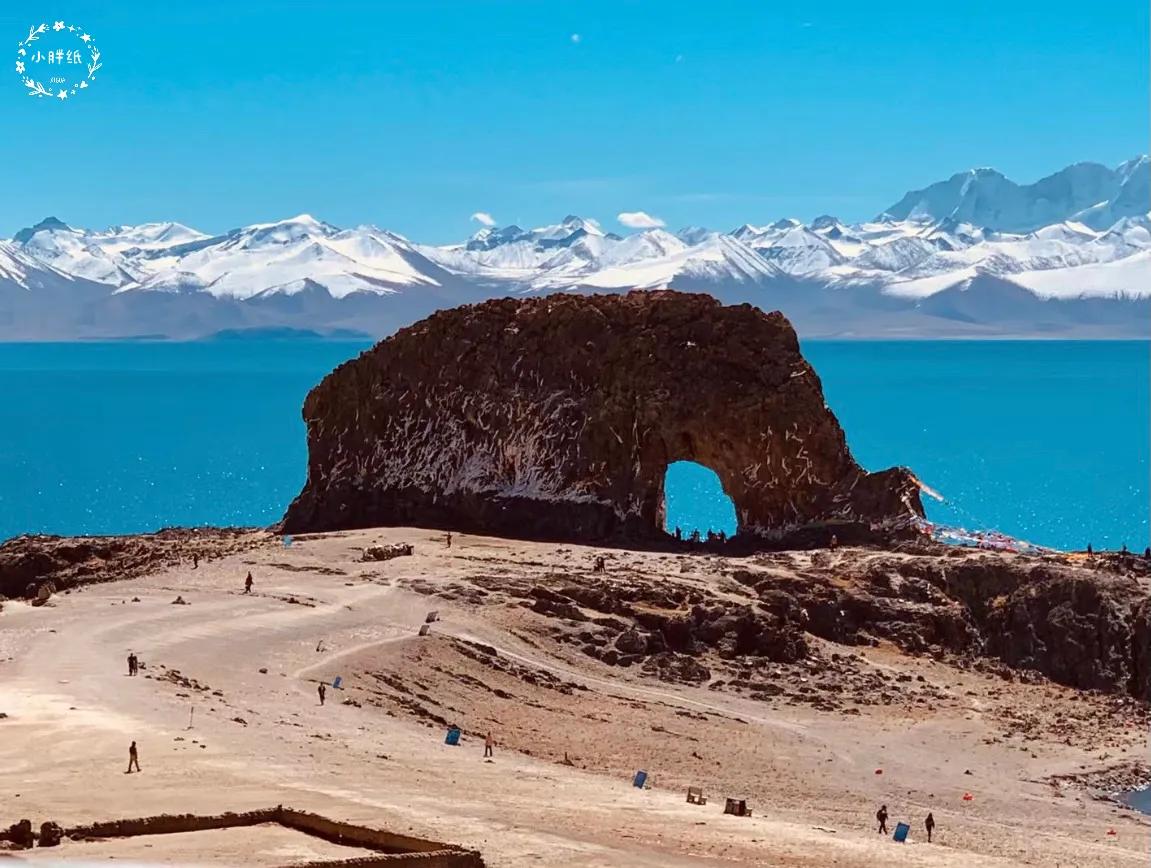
556 417
1020 617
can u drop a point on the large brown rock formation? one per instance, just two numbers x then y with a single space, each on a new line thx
557 416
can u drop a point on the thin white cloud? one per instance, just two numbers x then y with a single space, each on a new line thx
485 218
639 220
576 38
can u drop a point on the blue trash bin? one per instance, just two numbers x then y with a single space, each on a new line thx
640 779
453 737
901 830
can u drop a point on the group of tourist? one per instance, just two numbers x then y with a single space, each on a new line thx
1124 552
881 817
697 538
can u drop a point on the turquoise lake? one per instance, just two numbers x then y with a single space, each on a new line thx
1046 441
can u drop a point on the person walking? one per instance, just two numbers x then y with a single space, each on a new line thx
248 584
323 691
881 815
489 743
133 758
195 562
929 825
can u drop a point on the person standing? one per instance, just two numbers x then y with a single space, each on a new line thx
248 584
929 825
195 562
448 539
131 663
133 758
323 691
881 816
489 743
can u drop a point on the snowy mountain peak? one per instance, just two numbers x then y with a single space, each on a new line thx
824 221
282 232
1130 167
581 224
693 234
48 224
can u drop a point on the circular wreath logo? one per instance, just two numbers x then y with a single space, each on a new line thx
57 61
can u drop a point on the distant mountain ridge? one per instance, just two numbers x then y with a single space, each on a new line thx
1087 193
975 255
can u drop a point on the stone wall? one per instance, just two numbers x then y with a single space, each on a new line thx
360 836
390 849
168 824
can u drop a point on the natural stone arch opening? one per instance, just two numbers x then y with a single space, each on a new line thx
694 500
556 417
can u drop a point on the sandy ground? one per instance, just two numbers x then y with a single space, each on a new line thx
217 733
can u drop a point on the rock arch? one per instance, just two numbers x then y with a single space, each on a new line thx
556 417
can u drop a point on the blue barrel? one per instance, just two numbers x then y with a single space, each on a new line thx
640 779
453 737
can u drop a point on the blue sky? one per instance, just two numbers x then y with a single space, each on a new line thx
414 115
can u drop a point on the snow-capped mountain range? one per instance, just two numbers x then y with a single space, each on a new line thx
975 255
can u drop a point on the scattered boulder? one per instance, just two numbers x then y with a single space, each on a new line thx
387 552
20 835
682 668
50 834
